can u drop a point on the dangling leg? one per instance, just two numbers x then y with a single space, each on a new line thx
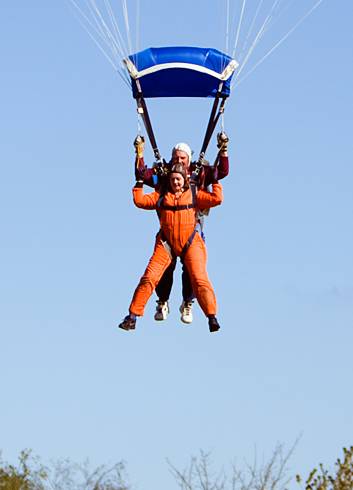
163 290
165 284
158 263
154 271
195 261
188 297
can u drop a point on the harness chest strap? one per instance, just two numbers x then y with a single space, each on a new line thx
192 205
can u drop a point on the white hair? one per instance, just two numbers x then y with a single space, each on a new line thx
185 148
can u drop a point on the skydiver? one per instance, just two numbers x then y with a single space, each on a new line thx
181 154
178 237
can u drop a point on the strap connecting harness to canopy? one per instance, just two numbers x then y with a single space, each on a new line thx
142 110
216 111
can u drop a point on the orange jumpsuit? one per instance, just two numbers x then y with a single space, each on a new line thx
176 228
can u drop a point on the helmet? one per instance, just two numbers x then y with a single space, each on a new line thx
178 168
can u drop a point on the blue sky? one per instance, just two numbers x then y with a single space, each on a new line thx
73 248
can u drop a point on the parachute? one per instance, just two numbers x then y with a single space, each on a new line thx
191 71
180 71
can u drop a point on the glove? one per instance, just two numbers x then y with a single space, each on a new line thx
203 161
222 141
139 144
161 168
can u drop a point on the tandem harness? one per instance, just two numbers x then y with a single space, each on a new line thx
182 207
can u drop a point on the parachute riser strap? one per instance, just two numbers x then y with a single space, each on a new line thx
215 163
210 129
143 112
213 120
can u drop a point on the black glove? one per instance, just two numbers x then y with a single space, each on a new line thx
161 168
139 144
222 141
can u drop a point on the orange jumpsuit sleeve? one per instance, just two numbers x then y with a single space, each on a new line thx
145 201
206 199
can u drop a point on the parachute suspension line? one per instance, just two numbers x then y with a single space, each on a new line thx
98 29
117 45
102 27
96 41
138 19
227 27
239 27
114 42
127 25
258 36
95 29
215 163
118 37
251 27
139 126
285 8
300 21
251 49
273 20
97 18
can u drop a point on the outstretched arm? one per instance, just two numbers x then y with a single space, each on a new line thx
144 201
206 199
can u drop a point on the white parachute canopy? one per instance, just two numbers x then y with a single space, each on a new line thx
253 29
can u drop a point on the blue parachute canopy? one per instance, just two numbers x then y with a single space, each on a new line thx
180 71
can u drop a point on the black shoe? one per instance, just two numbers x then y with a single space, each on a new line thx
129 323
213 324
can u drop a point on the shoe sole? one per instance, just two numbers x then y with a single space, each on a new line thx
187 322
214 330
126 327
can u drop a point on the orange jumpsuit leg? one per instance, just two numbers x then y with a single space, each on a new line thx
195 261
157 264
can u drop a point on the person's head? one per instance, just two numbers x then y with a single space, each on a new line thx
181 153
178 179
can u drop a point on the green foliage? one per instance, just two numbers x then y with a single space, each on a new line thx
31 474
27 475
321 479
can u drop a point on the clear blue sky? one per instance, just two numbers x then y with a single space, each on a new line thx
73 248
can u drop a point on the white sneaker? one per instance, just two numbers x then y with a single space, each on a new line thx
186 311
162 310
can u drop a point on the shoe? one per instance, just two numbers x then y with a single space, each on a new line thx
162 310
186 311
129 323
213 324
